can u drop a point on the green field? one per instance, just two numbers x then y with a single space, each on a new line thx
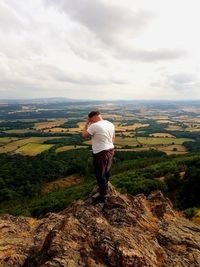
65 148
33 149
150 141
18 131
126 141
162 140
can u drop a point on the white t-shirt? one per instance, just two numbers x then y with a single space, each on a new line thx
102 133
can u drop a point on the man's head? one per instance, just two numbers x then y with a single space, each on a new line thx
94 116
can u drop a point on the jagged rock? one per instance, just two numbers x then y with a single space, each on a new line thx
123 232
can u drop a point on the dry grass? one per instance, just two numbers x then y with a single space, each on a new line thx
131 127
165 121
128 134
196 219
174 128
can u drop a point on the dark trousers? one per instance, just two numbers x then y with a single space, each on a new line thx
102 162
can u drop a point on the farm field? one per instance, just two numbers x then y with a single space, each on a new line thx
161 140
133 149
49 124
162 135
65 148
21 131
146 141
61 130
166 121
5 140
138 126
13 146
130 127
173 149
32 149
174 128
126 141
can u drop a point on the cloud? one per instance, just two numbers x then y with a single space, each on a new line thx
182 81
150 55
92 47
9 20
113 25
59 75
107 22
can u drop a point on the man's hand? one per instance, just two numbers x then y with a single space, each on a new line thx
85 133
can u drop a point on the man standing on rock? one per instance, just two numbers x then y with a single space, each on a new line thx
103 135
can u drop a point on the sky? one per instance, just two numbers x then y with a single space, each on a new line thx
100 49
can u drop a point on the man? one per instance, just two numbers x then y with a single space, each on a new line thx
103 135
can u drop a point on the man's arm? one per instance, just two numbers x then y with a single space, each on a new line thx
85 133
113 138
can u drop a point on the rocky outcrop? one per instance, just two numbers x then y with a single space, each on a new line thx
124 231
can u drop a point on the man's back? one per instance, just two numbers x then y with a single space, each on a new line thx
102 135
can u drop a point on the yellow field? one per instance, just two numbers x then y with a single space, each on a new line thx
131 127
12 146
162 135
160 117
65 130
63 182
49 124
32 149
129 134
65 148
174 128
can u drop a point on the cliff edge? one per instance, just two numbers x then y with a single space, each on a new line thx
125 231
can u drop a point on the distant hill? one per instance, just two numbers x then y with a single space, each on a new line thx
37 100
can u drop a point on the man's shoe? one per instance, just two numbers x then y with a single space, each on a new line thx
99 198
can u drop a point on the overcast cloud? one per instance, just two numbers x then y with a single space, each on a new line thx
99 49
